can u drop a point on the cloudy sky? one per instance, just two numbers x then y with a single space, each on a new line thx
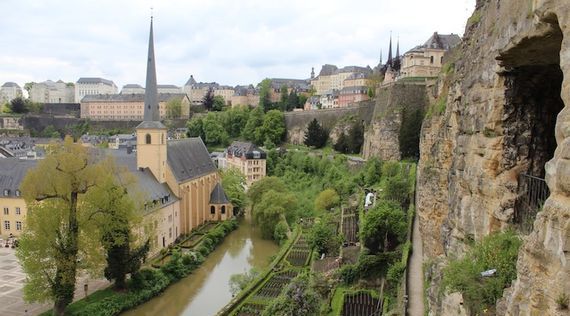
227 41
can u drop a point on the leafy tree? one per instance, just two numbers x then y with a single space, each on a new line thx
298 299
174 108
273 128
265 95
218 103
238 282
196 127
58 233
355 138
496 251
114 213
293 101
236 118
316 135
254 121
322 237
302 100
273 208
18 105
50 131
214 132
326 200
208 100
233 182
259 188
373 171
397 189
284 96
281 231
409 136
383 227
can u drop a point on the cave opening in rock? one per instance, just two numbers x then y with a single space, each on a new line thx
533 84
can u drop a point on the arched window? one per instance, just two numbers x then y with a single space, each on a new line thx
147 139
431 60
212 209
223 209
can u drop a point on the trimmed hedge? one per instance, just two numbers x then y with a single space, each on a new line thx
148 283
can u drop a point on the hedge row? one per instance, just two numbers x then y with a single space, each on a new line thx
148 283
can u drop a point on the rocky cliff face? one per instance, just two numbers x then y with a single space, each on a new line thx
382 136
499 114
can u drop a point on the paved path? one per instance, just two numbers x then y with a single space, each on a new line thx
416 274
12 281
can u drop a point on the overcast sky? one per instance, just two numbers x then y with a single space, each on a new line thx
227 41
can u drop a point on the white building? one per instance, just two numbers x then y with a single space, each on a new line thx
93 86
132 89
9 91
52 92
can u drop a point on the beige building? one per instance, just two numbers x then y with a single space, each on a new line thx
225 92
247 158
426 60
245 95
12 204
11 122
127 107
52 92
9 91
93 86
332 78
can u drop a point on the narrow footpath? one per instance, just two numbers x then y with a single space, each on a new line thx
416 275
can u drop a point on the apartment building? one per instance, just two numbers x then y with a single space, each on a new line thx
93 86
247 158
9 91
52 92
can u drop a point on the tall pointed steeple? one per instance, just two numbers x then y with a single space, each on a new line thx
151 111
398 48
389 62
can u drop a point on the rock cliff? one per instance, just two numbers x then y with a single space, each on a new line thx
497 113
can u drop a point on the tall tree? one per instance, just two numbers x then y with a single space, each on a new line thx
174 108
113 210
316 135
208 100
384 227
233 182
273 128
355 137
214 132
57 233
293 101
218 103
18 105
265 95
196 127
254 121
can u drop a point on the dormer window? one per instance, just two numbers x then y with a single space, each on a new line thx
6 192
18 193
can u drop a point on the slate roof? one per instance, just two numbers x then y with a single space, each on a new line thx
89 80
10 85
130 97
277 83
189 158
438 41
147 183
190 81
328 70
218 196
12 172
239 149
151 124
167 86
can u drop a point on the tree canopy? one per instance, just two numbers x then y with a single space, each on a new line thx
316 135
233 182
383 227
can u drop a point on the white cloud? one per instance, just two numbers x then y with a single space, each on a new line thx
231 42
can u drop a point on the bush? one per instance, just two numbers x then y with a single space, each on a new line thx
280 233
348 274
497 251
395 273
326 200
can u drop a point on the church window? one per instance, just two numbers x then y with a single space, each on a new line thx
212 209
223 209
147 138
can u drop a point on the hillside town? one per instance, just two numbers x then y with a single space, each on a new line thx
434 181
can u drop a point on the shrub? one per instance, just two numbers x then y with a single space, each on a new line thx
326 200
497 251
563 301
395 273
280 233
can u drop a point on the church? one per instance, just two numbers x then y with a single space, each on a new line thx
181 170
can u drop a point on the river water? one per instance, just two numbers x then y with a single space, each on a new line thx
207 290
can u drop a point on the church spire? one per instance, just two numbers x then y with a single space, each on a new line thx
389 62
151 111
398 48
380 56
